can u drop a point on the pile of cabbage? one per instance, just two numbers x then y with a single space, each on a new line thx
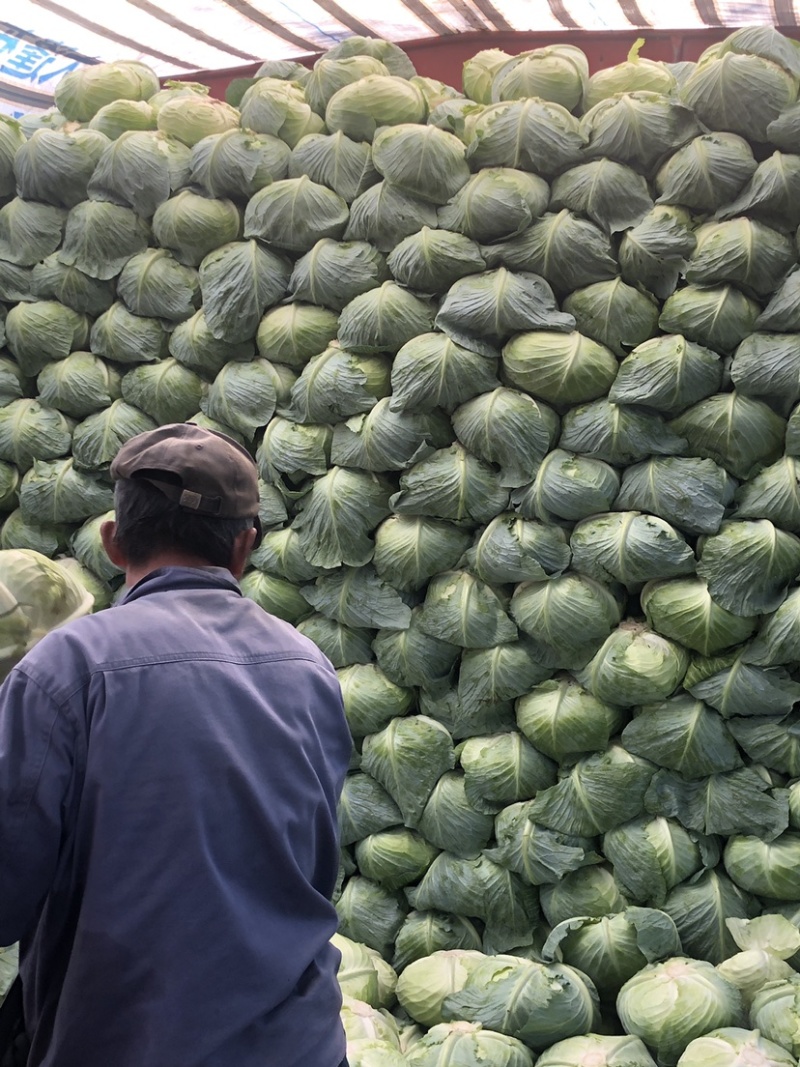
520 368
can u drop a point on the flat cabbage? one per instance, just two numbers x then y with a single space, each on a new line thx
430 261
611 194
81 93
707 173
638 128
560 368
739 93
636 665
237 163
495 204
567 617
597 794
614 314
556 73
421 160
55 167
532 135
295 213
567 487
333 273
376 100
99 238
684 610
669 1004
568 251
667 373
336 161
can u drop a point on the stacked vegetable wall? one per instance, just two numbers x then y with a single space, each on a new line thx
520 372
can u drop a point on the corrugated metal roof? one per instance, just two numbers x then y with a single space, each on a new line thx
42 40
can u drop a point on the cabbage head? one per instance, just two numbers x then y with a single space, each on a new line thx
421 160
330 75
237 163
567 487
81 93
629 547
479 72
560 368
191 118
608 1051
335 160
36 596
775 1012
535 1003
191 226
568 251
140 170
636 665
292 333
55 167
153 283
636 74
532 135
766 868
333 273
384 215
707 173
730 1046
589 891
121 116
100 238
563 720
425 932
279 109
742 251
669 1004
51 280
29 231
738 432
356 975
612 948
614 196
667 373
430 261
30 431
739 93
425 983
718 317
599 793
567 617
42 331
748 566
557 73
495 204
56 492
361 108
638 128
766 943
467 1042
387 52
483 311
652 855
295 213
614 314
11 140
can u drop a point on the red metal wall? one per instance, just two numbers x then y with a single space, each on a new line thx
443 57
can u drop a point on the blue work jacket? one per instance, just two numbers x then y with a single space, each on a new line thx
169 774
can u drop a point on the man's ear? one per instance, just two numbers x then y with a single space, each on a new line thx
242 547
108 535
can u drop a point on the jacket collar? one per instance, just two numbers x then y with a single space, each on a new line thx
169 579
